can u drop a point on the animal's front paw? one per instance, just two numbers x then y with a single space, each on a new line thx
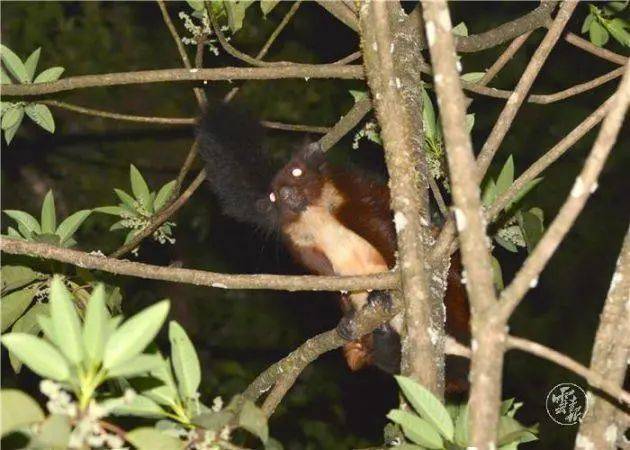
347 328
380 299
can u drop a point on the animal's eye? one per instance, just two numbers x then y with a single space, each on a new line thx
297 172
272 197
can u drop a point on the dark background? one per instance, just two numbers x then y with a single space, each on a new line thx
239 333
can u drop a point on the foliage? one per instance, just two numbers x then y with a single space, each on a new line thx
12 113
76 358
136 211
46 230
601 23
431 425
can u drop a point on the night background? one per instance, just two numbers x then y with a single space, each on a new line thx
240 333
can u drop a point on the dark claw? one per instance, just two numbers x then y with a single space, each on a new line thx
379 299
347 328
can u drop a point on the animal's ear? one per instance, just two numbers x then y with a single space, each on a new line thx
313 155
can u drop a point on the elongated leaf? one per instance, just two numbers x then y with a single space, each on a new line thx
428 116
45 323
113 210
41 357
598 34
140 364
358 95
27 324
252 419
18 410
185 361
14 277
497 274
427 405
49 216
524 191
460 29
532 228
472 77
587 23
12 116
25 219
506 177
461 428
127 199
140 406
236 13
4 77
167 393
41 115
213 421
267 5
65 321
489 193
417 429
71 224
140 188
48 75
509 246
147 438
163 195
54 433
14 64
134 335
12 306
95 326
9 133
617 28
31 63
197 5
470 122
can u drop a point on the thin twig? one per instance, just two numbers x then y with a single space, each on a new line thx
504 122
503 59
594 49
265 48
585 185
341 12
162 216
437 195
346 123
381 281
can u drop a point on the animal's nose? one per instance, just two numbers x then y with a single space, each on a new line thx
286 192
292 198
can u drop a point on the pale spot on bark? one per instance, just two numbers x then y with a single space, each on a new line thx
584 443
430 28
219 285
460 219
533 283
578 188
400 221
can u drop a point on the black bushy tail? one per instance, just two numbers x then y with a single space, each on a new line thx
231 144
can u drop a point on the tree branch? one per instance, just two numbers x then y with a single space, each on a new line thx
585 184
382 281
504 122
392 61
594 49
341 12
346 123
610 355
488 333
503 59
347 72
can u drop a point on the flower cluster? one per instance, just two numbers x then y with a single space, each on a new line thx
201 32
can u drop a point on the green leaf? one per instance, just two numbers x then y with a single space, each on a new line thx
45 323
428 116
497 274
113 210
147 438
470 122
510 430
185 361
267 5
509 246
524 191
167 393
252 419
532 228
9 133
140 406
587 23
49 216
461 427
54 434
489 194
126 198
163 195
17 410
418 430
427 405
132 337
506 177
65 321
140 189
31 63
12 116
13 277
460 29
95 326
12 306
617 27
598 34
213 421
49 75
71 224
236 13
4 77
25 219
472 77
140 364
41 115
197 5
27 324
41 357
14 64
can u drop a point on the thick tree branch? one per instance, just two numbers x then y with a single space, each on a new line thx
585 185
348 72
609 360
384 281
488 333
504 122
392 60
